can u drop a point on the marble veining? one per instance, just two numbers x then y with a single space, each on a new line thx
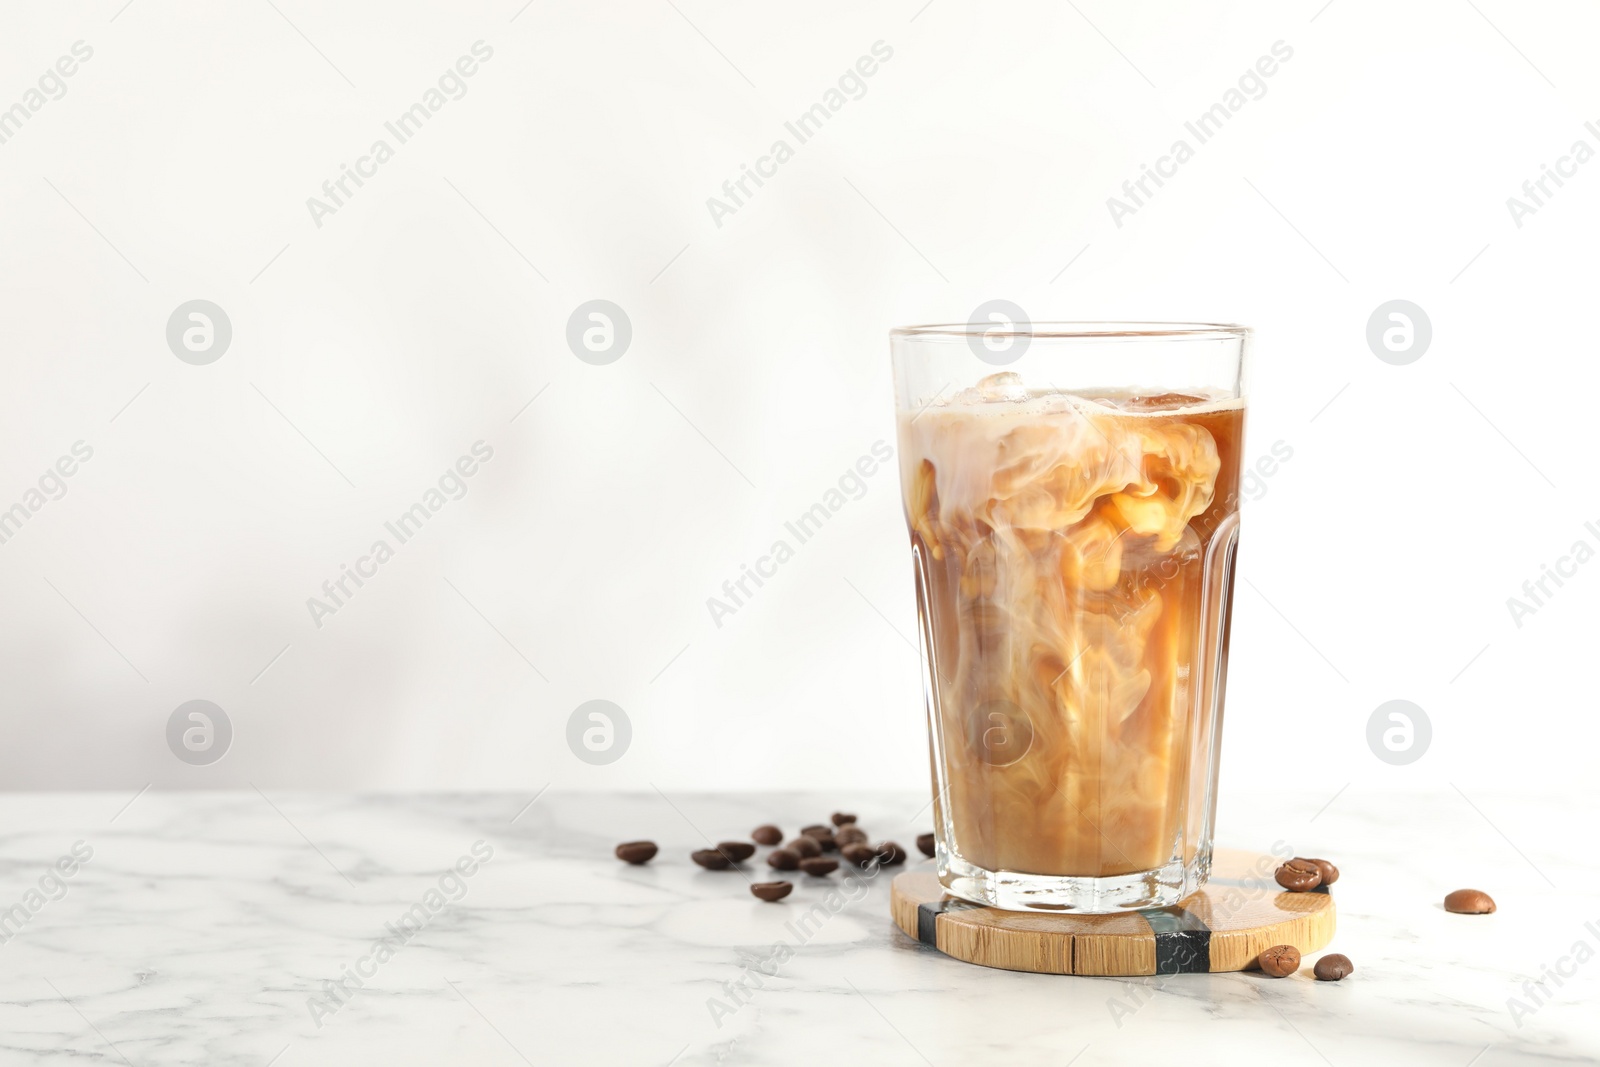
244 928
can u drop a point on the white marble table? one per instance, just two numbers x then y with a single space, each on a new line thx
203 924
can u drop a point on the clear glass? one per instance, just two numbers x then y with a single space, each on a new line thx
1072 494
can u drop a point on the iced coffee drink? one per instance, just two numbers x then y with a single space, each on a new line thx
1073 555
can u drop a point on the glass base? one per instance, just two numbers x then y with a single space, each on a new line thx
1161 887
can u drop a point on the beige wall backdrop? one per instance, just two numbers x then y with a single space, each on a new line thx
397 212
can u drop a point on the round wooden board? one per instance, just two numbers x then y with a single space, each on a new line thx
1223 927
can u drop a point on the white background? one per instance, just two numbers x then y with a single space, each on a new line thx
369 353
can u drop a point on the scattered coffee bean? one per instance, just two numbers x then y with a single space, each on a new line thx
766 835
925 844
1280 961
711 859
807 847
1333 967
783 859
771 891
839 818
1469 902
818 867
737 851
1297 876
891 854
858 854
851 835
823 836
1330 873
636 851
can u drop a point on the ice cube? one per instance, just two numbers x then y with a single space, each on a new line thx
1004 386
1159 402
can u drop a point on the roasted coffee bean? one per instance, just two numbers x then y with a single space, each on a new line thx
819 867
807 847
891 854
1330 873
1333 967
839 818
636 851
858 854
771 891
1297 876
851 835
737 851
925 844
1279 961
822 835
711 859
766 835
783 859
1469 902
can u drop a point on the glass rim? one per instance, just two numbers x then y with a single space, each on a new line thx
1079 330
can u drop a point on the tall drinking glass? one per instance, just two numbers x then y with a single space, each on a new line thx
1072 493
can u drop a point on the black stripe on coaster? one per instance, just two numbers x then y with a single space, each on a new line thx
1183 941
927 916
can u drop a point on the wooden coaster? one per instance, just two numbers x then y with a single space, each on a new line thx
1223 927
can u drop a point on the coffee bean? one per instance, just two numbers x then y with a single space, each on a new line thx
839 818
807 847
819 867
851 835
711 859
1279 961
636 851
891 854
766 835
771 891
1469 902
737 851
827 842
925 844
1330 873
1297 876
1333 967
858 854
822 835
783 859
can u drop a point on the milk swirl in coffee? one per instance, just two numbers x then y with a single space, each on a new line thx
1070 589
